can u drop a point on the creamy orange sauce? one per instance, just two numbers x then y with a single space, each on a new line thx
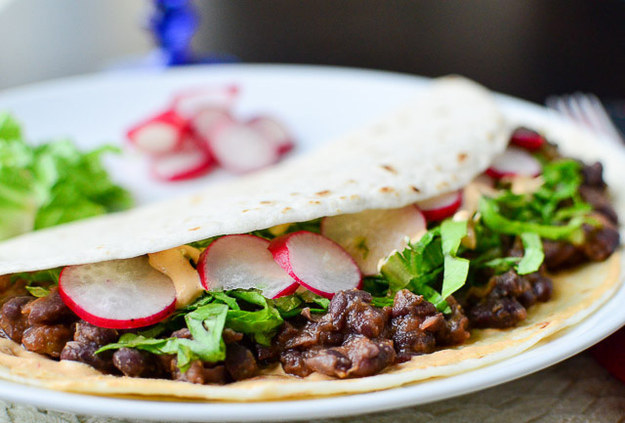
175 264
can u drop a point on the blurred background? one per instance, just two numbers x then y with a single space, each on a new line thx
529 49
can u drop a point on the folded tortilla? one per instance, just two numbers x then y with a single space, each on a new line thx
438 143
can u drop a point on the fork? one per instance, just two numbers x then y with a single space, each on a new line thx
587 110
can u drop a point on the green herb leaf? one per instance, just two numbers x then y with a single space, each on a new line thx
454 275
37 291
456 269
260 324
493 218
50 275
533 256
206 325
419 263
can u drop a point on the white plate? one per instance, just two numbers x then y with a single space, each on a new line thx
316 103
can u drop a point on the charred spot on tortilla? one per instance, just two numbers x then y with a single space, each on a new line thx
389 168
387 189
286 209
266 202
462 157
194 229
415 189
323 193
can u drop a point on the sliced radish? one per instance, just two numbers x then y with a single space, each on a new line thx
189 102
372 235
118 294
160 134
273 131
182 165
441 206
514 162
243 261
207 118
527 139
316 262
240 149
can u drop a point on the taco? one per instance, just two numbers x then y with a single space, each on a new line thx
384 258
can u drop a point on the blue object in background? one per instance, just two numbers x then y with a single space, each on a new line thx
173 25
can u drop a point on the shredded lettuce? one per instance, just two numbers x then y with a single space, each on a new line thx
50 184
292 305
533 254
496 221
456 269
419 266
245 311
39 283
206 325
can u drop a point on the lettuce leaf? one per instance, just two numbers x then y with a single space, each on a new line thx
50 184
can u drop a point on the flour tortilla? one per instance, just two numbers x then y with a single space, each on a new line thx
435 144
576 294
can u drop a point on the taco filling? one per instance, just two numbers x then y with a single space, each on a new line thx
345 296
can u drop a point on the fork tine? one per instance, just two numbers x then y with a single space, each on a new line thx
577 110
559 105
603 117
588 108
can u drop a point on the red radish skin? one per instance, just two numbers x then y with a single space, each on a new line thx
316 262
371 235
527 139
159 134
142 301
182 165
273 131
241 149
514 162
441 207
243 261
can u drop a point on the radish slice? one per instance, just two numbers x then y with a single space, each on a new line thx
181 165
316 262
514 162
207 118
239 148
273 131
160 134
372 235
527 139
118 294
243 261
442 206
189 102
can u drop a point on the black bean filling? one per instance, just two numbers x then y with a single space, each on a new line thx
353 339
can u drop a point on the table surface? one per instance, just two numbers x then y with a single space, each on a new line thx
577 390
